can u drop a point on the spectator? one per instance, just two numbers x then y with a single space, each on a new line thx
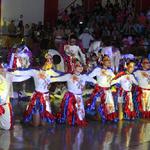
11 28
86 38
27 30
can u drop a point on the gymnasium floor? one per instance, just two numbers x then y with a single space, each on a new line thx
125 135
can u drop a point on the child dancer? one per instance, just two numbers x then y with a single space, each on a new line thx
38 110
143 78
73 52
6 91
101 100
126 80
5 106
72 106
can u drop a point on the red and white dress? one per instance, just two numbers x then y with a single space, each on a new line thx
103 94
126 81
72 105
71 54
5 106
21 58
143 99
39 102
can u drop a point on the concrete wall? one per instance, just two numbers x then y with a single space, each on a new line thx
32 10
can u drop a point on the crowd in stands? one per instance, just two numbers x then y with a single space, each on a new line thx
115 23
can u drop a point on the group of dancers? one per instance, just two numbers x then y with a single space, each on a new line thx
115 96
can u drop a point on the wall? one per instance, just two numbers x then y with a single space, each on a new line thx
32 10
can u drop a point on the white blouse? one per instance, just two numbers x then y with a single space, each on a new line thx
143 78
104 76
75 83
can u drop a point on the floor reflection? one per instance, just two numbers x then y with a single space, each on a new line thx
96 136
4 140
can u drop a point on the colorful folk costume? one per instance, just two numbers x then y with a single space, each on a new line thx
5 106
58 61
73 52
72 105
21 58
143 94
39 102
124 82
102 94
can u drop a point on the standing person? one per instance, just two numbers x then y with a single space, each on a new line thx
101 100
115 59
126 80
21 58
12 28
6 79
20 29
72 106
73 52
58 35
114 55
5 106
38 111
6 91
143 78
86 38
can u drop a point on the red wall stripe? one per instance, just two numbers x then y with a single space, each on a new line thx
50 11
142 5
145 4
0 12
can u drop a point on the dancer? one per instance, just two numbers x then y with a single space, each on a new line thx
101 100
125 80
72 106
38 111
143 78
73 52
5 106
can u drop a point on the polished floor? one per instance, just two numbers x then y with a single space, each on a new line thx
96 136
125 135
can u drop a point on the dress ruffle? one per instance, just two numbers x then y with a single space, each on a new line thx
128 113
99 92
68 113
144 114
38 103
2 110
